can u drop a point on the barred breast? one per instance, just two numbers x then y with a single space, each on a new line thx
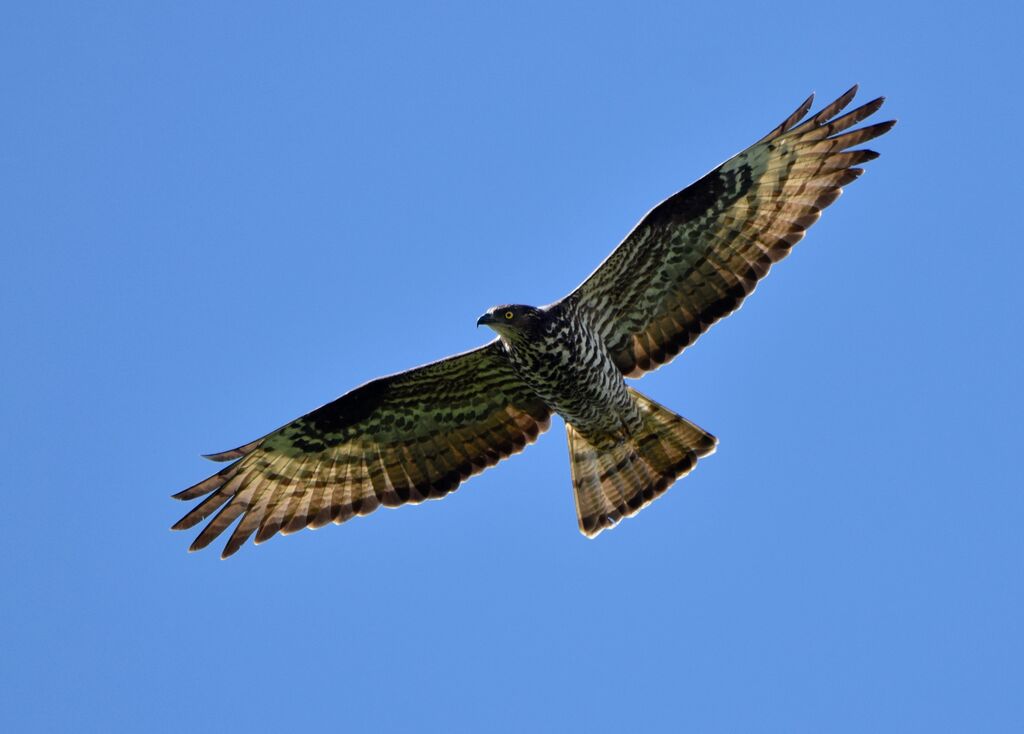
569 367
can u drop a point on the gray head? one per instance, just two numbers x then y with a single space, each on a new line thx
512 320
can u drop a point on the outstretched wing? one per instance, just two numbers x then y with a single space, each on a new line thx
698 254
405 438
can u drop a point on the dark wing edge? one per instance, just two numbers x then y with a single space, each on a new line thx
696 256
396 440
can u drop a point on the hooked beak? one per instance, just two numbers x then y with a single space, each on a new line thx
487 318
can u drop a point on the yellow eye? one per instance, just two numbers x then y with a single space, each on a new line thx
509 315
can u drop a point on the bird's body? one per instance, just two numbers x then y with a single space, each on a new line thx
567 366
418 434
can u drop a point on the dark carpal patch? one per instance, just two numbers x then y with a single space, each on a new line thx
713 192
350 409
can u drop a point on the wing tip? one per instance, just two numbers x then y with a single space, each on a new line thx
801 111
846 97
198 490
203 539
235 453
223 455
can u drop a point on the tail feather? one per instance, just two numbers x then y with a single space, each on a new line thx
613 483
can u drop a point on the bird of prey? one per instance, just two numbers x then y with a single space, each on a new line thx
418 434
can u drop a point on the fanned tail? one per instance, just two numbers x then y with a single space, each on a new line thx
614 483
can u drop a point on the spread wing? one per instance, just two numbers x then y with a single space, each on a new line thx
698 254
405 438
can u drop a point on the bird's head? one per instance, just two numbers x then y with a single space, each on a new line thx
511 321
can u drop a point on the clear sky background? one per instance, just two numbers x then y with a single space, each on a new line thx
218 216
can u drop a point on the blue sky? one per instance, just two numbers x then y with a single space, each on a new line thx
219 216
